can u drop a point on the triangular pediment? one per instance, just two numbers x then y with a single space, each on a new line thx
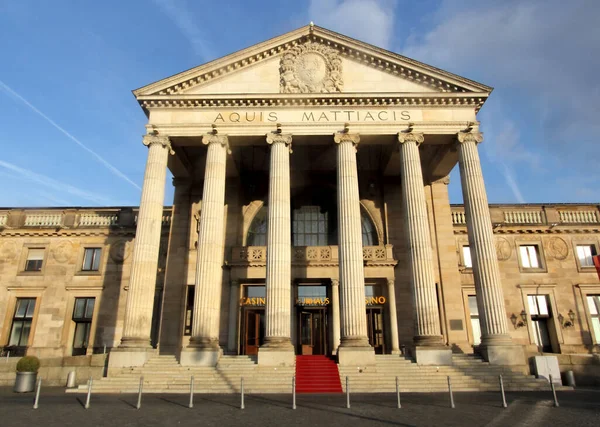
311 60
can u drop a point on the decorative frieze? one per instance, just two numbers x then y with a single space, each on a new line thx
311 68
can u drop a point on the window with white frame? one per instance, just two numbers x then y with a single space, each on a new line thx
22 321
594 307
474 314
585 254
466 252
35 259
539 309
91 259
530 256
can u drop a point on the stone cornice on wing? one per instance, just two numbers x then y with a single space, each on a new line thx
425 75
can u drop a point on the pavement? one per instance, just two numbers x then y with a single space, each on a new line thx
56 408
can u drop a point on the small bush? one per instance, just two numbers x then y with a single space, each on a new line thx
28 364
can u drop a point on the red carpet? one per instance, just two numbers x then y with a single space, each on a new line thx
317 374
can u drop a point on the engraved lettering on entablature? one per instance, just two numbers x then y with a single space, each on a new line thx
503 249
311 68
557 248
62 252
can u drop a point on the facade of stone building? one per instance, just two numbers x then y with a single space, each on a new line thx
310 216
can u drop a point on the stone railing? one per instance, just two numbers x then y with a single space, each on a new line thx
3 219
166 220
523 217
97 219
310 254
578 217
458 217
43 220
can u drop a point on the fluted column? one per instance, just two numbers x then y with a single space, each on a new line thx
207 300
279 261
488 287
418 242
234 308
142 283
352 278
335 313
391 292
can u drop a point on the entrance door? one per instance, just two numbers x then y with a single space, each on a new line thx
254 335
312 332
375 328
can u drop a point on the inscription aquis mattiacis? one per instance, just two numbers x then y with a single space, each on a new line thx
313 116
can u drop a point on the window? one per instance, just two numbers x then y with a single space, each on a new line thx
539 309
309 226
369 233
585 254
91 259
594 306
35 259
530 257
82 316
21 324
466 252
474 314
257 233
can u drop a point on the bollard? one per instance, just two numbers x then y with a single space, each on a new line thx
504 405
139 402
398 393
553 392
294 392
89 394
7 356
71 379
450 391
347 393
242 394
570 379
37 394
191 405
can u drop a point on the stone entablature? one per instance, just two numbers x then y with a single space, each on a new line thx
527 218
73 218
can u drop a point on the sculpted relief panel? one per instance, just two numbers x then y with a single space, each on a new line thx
311 68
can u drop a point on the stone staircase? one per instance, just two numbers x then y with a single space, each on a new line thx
468 373
164 374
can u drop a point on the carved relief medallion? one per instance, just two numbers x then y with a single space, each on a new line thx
558 248
119 251
503 249
311 68
62 252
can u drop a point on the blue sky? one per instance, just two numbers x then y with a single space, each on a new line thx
71 130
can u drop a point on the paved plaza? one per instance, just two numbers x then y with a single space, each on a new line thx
581 408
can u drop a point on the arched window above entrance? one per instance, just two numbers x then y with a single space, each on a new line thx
369 232
257 233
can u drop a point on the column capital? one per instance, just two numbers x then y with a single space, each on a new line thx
283 138
213 138
158 139
335 282
416 137
390 281
340 137
235 282
475 137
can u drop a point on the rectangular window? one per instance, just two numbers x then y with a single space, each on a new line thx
35 258
21 324
530 257
91 259
474 313
585 254
467 257
538 305
82 316
594 306
309 226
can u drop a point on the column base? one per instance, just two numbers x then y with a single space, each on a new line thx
396 351
272 356
128 357
200 356
356 356
507 354
432 355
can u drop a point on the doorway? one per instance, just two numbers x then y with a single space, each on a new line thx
312 325
254 331
375 328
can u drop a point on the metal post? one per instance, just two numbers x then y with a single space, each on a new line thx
450 391
7 356
89 394
347 393
191 405
556 405
504 405
294 392
37 394
242 394
398 393
139 402
104 350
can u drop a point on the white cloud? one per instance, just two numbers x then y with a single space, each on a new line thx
366 20
184 20
53 184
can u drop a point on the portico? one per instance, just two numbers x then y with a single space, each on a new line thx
304 161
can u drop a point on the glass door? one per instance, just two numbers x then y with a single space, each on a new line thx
313 328
254 335
375 329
